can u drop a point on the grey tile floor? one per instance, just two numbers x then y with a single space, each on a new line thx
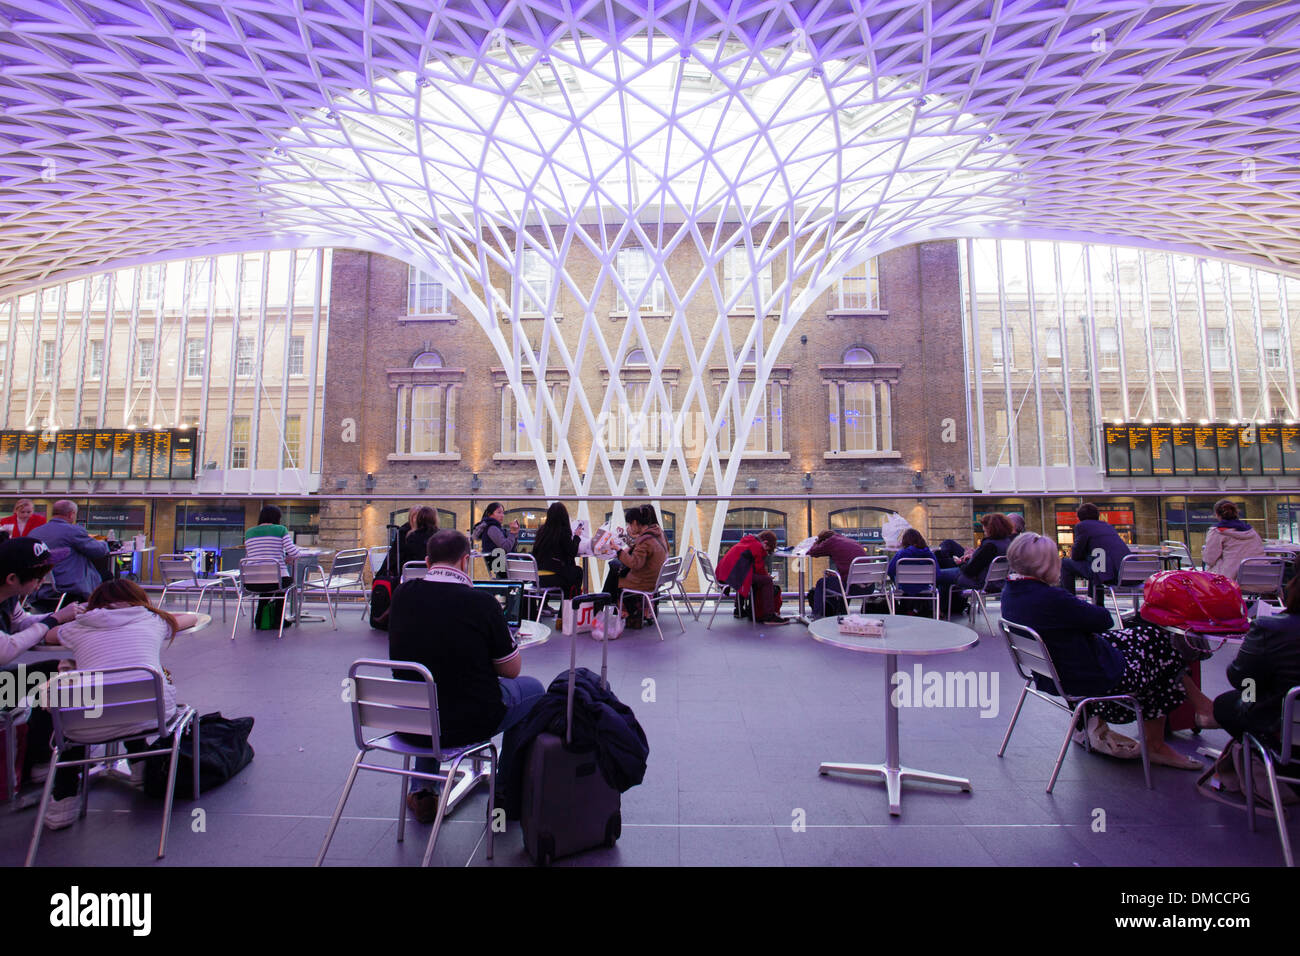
737 721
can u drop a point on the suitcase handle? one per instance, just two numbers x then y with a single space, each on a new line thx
601 600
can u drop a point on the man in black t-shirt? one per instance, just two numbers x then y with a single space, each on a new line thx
461 636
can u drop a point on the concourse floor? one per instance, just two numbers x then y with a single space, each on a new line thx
738 722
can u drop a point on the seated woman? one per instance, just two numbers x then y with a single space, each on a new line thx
637 565
269 540
1093 660
1269 660
424 525
556 552
119 628
1230 542
971 572
759 546
911 545
494 541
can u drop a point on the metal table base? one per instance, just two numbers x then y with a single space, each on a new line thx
891 770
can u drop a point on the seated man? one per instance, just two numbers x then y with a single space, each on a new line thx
75 574
1098 549
758 580
461 636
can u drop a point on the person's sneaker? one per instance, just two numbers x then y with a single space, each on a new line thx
424 804
62 813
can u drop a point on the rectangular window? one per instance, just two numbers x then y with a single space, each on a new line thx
47 361
96 369
1107 349
998 340
99 290
1162 344
250 291
1057 436
1273 349
89 421
292 441
194 358
860 287
1218 348
426 419
244 354
634 267
297 351
738 280
200 283
144 358
858 408
239 434
1051 344
536 283
425 295
149 282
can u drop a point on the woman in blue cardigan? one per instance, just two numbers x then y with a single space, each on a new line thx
1094 660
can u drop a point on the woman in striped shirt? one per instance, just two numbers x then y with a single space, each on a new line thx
271 541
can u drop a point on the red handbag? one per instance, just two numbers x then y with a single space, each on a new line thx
1194 601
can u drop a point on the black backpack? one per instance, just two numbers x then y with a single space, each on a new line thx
223 752
381 602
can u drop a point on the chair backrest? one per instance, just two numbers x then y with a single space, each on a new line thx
1261 575
377 558
706 569
1134 569
259 571
687 563
175 568
1290 717
348 566
998 570
522 567
387 705
1179 548
1029 652
413 571
668 573
83 703
866 570
923 571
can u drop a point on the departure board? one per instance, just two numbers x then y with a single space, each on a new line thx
64 442
1248 450
141 453
1227 442
26 455
1183 438
183 446
45 455
102 466
1162 450
122 454
8 454
1139 451
1167 450
160 464
1116 437
1290 449
83 454
1270 449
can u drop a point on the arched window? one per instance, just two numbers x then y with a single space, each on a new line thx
742 521
446 519
427 360
861 524
859 356
636 357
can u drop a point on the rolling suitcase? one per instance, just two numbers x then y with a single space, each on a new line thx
567 805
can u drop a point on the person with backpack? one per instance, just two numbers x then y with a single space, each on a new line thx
494 541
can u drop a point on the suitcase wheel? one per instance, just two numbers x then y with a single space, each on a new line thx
613 829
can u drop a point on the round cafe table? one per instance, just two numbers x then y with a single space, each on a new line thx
912 636
532 633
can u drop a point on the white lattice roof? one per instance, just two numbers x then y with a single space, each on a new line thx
131 130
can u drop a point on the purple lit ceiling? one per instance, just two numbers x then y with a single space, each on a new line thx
132 131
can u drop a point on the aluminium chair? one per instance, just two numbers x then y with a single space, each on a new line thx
724 590
384 710
260 579
347 571
523 568
1261 578
413 571
1183 552
917 572
664 587
118 701
178 575
688 562
1032 660
998 571
1283 755
866 572
1134 569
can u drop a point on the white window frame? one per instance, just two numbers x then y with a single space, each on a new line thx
1108 350
95 368
859 288
297 355
735 273
193 353
1219 350
1162 349
634 267
48 359
245 356
425 294
1274 354
240 436
145 357
293 441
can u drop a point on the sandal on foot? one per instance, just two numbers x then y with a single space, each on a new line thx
1114 744
1175 760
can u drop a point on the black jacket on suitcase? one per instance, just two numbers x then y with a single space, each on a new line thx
600 722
